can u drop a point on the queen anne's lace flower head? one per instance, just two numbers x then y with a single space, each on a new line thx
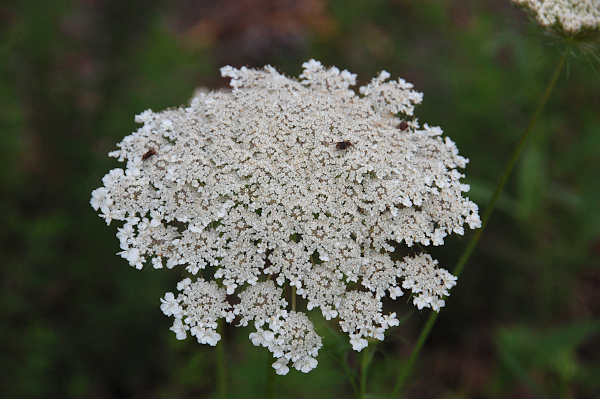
252 189
569 16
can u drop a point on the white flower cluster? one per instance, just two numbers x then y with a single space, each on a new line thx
201 304
289 183
570 16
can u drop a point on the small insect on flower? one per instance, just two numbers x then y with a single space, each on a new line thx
342 145
403 125
150 152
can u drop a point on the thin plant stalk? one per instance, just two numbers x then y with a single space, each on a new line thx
294 298
342 360
350 375
404 373
221 366
270 379
364 369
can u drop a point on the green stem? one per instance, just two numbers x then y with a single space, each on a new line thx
294 298
486 216
341 357
511 163
349 374
221 368
270 380
405 371
364 368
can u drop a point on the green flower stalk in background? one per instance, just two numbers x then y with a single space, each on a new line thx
571 17
575 24
279 183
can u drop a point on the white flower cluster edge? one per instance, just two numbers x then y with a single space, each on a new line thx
284 183
571 16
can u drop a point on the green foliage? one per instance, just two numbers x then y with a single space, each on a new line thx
78 322
546 361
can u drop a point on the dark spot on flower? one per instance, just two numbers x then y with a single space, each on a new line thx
147 155
342 145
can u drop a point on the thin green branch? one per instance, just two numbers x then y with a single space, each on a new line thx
294 298
350 374
404 373
221 367
364 369
341 357
507 171
270 379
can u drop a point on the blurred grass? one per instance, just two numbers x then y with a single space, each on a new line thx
78 322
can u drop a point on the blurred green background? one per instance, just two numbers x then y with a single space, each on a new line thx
78 322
